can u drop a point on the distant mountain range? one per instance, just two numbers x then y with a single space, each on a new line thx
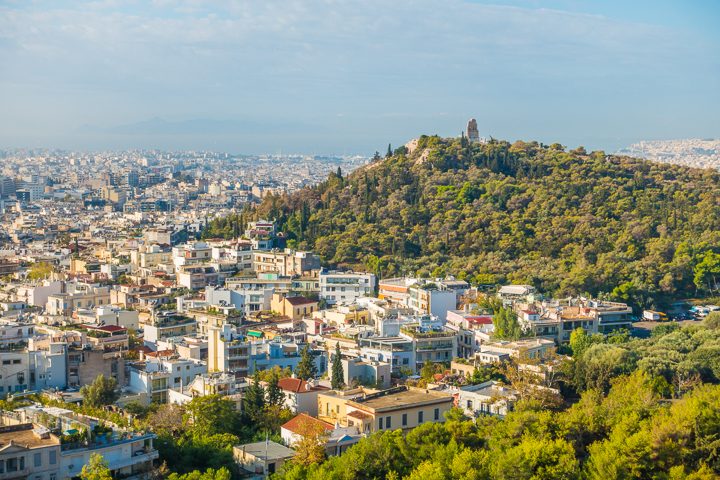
693 152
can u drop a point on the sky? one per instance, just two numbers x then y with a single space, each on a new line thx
349 77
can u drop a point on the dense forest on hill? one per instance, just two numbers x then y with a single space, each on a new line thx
568 222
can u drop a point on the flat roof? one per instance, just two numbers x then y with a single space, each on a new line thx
24 435
401 399
266 450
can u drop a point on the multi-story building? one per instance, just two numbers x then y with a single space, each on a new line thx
168 325
227 351
423 296
129 454
262 234
286 262
263 281
197 276
431 345
399 407
77 296
345 287
430 299
191 254
357 371
151 256
14 333
150 380
14 371
84 365
399 352
246 301
29 451
468 325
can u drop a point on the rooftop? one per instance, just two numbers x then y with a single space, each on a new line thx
295 301
298 385
302 421
265 450
26 435
400 397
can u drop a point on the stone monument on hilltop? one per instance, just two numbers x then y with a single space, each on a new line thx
472 131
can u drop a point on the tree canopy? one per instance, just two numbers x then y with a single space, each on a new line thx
566 222
103 391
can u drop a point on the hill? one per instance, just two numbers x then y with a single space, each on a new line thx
568 222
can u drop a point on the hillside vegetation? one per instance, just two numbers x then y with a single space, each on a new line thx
567 222
647 408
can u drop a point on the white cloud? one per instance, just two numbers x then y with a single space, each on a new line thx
312 58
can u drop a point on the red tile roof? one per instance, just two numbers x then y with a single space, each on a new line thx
298 385
295 301
106 328
297 423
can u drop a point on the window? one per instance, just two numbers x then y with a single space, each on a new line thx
53 457
404 419
388 422
420 416
37 459
380 423
437 414
469 405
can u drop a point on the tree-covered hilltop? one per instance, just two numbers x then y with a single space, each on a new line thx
567 222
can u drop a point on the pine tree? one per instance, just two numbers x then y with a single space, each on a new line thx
254 401
389 152
336 380
306 366
275 396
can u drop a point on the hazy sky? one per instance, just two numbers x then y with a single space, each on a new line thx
351 76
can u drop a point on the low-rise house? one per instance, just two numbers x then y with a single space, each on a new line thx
301 396
510 294
262 458
488 398
357 371
294 307
337 439
497 351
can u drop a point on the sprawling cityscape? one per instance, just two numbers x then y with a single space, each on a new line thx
462 305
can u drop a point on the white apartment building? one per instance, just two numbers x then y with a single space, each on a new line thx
345 287
191 254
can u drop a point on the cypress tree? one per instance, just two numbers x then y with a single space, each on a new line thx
336 380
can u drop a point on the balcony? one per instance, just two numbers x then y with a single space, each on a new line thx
139 456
